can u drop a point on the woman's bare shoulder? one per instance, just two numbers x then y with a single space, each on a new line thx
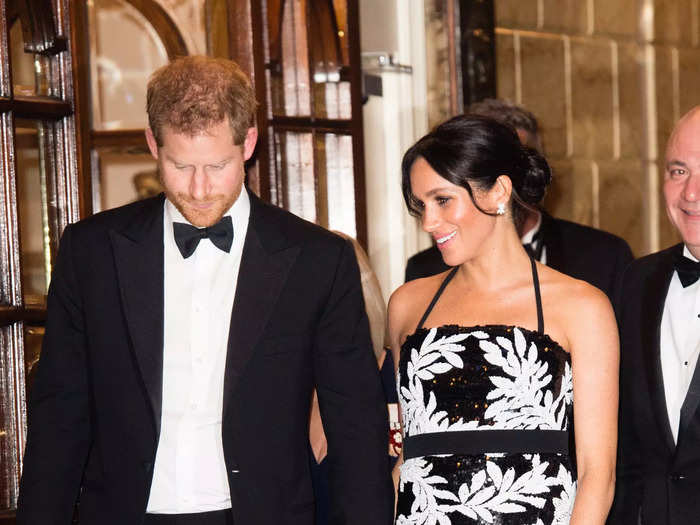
576 307
409 301
416 290
567 290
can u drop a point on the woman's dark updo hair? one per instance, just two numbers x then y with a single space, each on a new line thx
473 151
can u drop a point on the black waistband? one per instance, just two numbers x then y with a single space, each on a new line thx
470 442
215 517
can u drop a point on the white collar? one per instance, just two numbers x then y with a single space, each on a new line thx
689 255
527 238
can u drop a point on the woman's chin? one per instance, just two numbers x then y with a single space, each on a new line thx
452 259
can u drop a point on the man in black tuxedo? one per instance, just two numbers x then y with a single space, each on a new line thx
582 252
185 335
658 310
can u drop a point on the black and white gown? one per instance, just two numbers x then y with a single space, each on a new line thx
486 412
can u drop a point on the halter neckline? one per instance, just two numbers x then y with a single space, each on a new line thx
453 272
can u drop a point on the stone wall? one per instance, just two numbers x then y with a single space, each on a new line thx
607 80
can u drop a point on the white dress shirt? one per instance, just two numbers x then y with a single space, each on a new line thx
189 472
680 343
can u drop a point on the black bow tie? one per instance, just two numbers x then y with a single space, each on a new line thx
187 237
688 270
535 247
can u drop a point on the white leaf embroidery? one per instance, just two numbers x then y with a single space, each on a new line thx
521 398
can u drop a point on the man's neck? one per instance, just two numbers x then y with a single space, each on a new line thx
530 222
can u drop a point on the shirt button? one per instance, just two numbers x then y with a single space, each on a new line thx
677 477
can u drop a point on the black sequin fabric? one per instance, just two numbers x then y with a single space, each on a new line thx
454 378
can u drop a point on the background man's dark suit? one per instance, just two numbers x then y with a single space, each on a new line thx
298 321
591 255
655 477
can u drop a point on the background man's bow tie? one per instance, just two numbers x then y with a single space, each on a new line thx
688 270
535 247
187 237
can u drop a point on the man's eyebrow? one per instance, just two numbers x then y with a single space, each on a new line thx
224 161
172 159
175 161
675 162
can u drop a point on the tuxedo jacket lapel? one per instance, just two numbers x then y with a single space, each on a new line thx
692 399
653 302
553 243
265 265
690 404
138 256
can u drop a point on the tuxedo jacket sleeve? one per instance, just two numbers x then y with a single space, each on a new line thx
354 414
626 506
59 410
313 333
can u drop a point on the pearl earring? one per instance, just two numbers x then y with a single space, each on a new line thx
501 210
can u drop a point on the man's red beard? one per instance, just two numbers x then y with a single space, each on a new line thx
218 206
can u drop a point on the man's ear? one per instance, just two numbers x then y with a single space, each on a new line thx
251 138
152 143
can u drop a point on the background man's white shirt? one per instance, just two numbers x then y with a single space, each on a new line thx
680 343
529 236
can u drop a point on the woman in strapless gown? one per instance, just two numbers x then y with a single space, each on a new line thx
489 352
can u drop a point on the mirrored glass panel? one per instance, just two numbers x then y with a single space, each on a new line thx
120 72
217 32
125 177
288 61
35 255
31 74
330 62
294 170
332 100
9 401
335 167
33 336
